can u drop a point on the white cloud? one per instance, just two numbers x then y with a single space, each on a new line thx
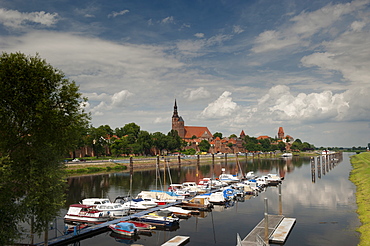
304 26
196 94
347 54
222 107
199 35
15 19
119 98
237 29
115 14
168 19
281 105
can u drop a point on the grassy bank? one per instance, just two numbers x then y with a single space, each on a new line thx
360 176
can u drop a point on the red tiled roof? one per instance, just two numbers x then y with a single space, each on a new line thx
198 131
263 137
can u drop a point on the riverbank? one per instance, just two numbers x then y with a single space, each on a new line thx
360 176
146 163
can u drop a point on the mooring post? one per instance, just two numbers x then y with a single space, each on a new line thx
280 202
131 163
266 223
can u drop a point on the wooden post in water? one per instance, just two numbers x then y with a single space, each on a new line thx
131 164
225 158
213 158
318 167
179 160
313 174
280 202
266 223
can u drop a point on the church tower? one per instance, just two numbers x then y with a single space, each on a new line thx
281 133
178 122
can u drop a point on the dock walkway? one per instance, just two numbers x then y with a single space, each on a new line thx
278 229
100 228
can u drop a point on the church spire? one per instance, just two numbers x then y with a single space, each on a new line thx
175 114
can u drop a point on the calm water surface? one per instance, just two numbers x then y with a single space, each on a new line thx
323 203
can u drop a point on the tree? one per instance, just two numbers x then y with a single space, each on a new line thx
41 120
233 136
204 146
217 134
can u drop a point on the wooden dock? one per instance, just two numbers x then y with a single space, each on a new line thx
100 228
177 241
278 230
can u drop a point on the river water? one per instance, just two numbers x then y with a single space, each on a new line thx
323 202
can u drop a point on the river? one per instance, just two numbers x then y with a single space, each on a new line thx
322 202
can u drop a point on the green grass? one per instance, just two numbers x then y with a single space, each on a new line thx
96 169
360 176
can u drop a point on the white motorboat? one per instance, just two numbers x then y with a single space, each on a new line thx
179 212
287 155
228 178
85 214
115 210
273 179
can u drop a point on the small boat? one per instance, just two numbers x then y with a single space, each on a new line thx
273 179
200 202
124 228
228 178
135 204
85 214
141 225
179 212
250 175
160 218
287 155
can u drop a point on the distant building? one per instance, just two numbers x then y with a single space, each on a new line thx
189 133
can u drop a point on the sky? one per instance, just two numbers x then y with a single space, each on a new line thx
252 65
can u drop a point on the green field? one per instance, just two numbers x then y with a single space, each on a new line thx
360 176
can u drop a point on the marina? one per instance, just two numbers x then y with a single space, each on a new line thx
220 225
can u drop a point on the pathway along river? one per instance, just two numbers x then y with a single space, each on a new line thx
322 202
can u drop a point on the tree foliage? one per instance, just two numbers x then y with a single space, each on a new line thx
41 120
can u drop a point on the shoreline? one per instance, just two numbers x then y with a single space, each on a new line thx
360 176
95 167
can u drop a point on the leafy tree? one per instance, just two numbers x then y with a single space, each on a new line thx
204 146
233 136
159 141
146 142
174 141
41 120
281 146
217 134
265 144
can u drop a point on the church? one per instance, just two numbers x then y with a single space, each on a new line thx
189 133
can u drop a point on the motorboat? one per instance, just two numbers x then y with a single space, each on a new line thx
124 228
250 175
287 155
160 218
139 204
212 183
191 187
115 210
159 197
178 190
179 212
85 214
273 179
228 178
200 202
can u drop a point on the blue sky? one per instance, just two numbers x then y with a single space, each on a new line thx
231 65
